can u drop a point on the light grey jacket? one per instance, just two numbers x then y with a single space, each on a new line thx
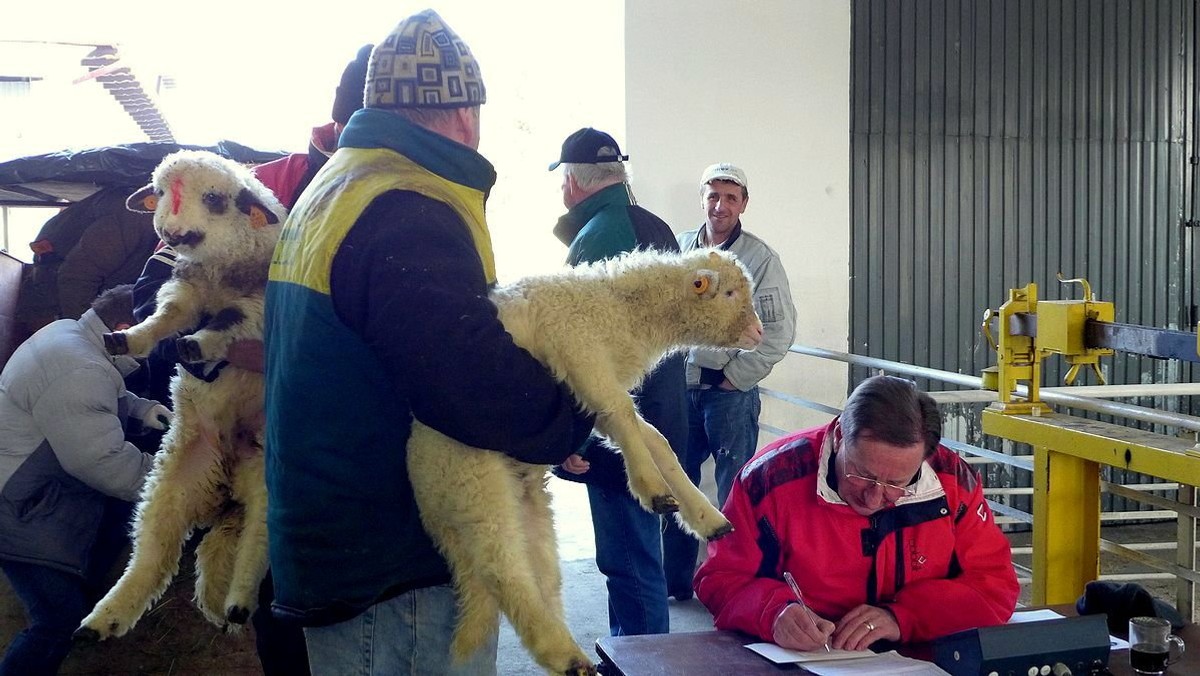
772 301
62 444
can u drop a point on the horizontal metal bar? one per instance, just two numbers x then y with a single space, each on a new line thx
1008 491
974 382
1053 397
1010 512
1144 340
799 401
1018 461
1156 515
771 429
1138 577
1148 561
1165 503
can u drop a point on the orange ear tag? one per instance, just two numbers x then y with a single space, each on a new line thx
701 285
150 202
257 218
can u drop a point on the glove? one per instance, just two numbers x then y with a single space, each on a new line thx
157 417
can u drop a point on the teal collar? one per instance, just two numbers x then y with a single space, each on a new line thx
453 161
613 195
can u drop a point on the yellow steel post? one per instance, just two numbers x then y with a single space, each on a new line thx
1066 525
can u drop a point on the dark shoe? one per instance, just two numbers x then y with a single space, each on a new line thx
684 594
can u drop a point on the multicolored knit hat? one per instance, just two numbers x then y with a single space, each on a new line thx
423 64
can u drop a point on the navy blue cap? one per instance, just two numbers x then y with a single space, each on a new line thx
589 146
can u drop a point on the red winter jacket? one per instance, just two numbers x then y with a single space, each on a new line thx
937 560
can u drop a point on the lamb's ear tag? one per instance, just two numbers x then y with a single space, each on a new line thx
150 202
258 219
700 284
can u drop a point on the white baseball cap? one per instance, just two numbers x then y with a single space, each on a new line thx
723 171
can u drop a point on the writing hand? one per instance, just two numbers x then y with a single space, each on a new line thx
796 629
864 625
575 464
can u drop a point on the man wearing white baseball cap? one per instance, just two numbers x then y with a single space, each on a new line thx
723 400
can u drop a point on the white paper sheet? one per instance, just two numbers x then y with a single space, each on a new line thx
784 656
883 664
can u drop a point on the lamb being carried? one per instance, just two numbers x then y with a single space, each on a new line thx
600 329
223 223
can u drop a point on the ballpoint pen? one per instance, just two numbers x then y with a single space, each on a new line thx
800 598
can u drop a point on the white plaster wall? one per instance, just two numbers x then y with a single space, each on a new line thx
764 85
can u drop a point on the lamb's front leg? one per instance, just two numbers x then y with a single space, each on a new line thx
623 427
696 514
617 419
243 318
177 309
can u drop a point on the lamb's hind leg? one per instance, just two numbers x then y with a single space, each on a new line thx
543 544
250 563
177 495
214 563
696 514
468 499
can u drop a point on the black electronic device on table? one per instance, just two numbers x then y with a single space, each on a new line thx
1071 645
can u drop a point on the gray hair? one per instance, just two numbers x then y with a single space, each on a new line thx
891 410
429 118
595 176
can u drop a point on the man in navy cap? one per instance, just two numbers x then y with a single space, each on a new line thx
603 221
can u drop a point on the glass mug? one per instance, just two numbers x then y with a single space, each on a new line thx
1150 642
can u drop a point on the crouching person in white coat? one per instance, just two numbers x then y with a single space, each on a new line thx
67 474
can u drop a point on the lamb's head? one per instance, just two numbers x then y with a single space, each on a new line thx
205 205
716 301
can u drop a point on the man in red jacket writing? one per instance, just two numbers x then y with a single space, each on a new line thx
886 532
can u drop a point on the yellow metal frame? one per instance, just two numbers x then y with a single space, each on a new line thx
1068 455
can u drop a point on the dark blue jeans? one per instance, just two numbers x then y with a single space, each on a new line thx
56 602
629 554
723 425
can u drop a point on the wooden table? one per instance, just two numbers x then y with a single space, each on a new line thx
721 653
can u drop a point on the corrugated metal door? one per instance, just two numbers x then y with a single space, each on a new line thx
998 143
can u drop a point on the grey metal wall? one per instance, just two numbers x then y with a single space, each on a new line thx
997 143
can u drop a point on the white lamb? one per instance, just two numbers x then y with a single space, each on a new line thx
599 328
209 472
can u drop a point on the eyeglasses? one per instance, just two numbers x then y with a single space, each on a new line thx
892 491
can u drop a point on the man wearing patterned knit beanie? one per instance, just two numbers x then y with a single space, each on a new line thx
385 262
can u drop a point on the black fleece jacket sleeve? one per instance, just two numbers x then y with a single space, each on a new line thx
408 279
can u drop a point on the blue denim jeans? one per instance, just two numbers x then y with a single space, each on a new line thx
55 602
629 554
408 635
723 425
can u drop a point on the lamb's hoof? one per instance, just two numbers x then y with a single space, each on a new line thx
578 668
86 635
189 350
237 615
721 532
116 343
664 504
